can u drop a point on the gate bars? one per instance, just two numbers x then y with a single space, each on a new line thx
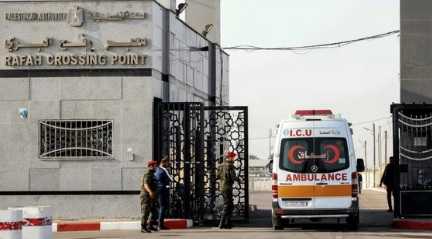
412 152
195 138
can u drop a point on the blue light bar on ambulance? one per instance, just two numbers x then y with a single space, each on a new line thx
313 113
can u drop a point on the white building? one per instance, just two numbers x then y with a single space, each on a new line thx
77 84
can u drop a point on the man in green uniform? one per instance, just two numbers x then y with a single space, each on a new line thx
226 175
148 197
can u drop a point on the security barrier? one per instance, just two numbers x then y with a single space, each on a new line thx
36 222
10 224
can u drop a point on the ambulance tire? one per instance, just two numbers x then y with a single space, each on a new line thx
353 221
277 223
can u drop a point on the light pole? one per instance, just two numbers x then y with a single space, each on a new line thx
270 142
385 148
374 149
366 164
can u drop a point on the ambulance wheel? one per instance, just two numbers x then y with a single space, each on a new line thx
277 223
353 221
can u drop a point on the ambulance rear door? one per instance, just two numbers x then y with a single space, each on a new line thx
316 170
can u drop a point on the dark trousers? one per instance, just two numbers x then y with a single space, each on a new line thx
389 197
148 207
227 209
163 205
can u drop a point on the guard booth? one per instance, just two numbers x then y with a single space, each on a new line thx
195 138
412 150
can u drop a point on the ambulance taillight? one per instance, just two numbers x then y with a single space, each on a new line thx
274 186
354 183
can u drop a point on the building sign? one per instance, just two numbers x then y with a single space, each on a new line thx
74 16
36 17
120 16
74 60
75 34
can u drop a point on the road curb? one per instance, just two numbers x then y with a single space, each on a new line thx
412 224
74 226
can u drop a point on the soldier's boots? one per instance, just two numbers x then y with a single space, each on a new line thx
229 224
145 228
153 227
222 223
225 223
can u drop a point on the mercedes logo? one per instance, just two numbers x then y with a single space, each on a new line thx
314 168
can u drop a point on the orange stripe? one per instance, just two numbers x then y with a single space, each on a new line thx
315 191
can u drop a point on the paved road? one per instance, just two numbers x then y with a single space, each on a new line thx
375 223
251 233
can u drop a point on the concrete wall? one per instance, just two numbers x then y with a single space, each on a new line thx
189 67
126 100
82 206
202 12
416 51
222 76
260 184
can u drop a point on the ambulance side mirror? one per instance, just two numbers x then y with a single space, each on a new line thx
270 166
360 165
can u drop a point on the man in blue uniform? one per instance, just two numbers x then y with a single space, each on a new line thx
164 180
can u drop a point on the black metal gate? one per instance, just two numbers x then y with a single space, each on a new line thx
412 150
195 138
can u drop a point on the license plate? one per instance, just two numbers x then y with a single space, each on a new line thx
295 203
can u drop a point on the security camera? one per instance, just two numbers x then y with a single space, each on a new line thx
207 29
181 7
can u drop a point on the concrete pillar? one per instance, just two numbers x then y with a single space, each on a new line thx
170 4
416 56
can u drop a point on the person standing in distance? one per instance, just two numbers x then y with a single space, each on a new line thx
388 180
226 175
148 197
164 180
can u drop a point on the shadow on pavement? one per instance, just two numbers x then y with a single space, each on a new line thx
369 219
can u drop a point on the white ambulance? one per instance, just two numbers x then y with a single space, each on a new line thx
315 171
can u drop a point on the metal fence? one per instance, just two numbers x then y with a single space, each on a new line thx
195 137
412 127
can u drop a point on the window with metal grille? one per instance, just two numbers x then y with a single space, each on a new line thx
75 139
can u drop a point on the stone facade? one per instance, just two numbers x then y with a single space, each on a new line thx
177 67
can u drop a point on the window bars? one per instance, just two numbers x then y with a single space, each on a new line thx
75 139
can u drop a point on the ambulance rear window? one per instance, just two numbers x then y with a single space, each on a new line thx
314 155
